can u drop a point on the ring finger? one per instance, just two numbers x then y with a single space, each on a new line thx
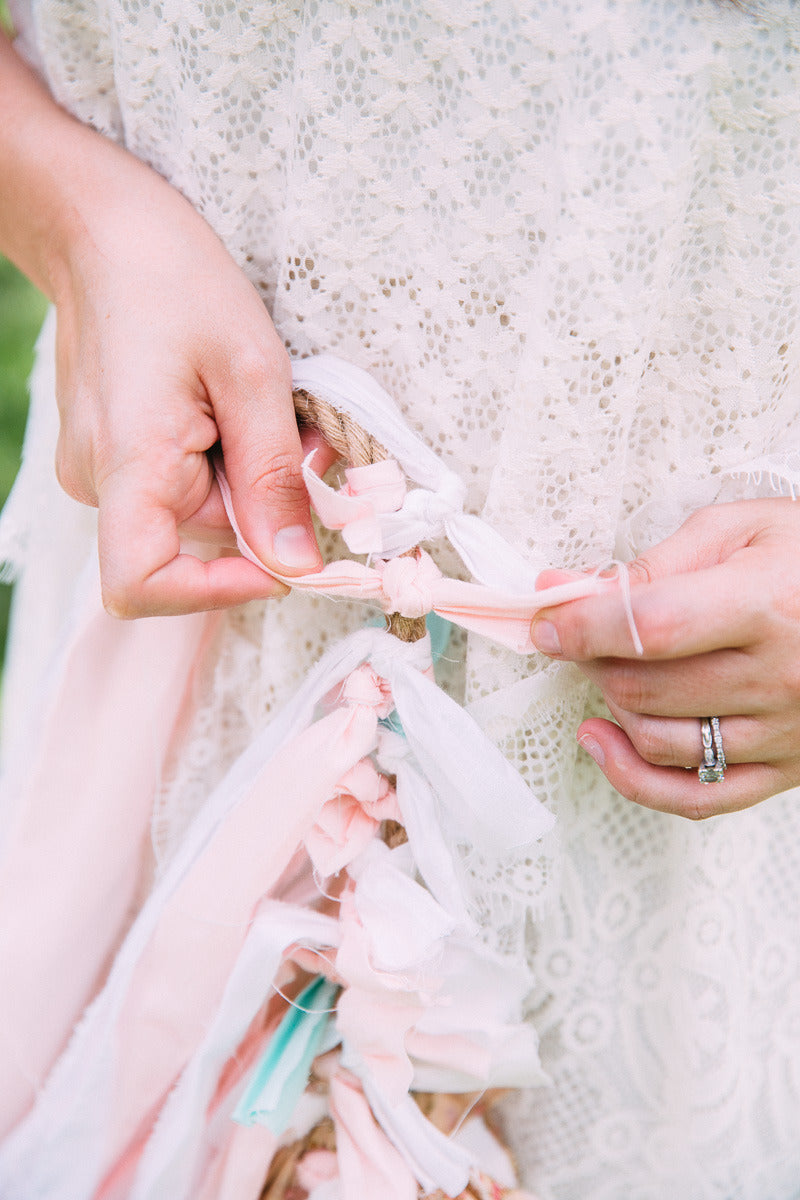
671 789
677 741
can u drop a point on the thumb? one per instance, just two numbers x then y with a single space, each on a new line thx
263 458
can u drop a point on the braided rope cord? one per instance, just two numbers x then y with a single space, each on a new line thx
358 449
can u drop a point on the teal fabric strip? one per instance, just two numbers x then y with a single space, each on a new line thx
439 630
280 1078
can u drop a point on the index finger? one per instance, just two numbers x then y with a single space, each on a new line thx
678 616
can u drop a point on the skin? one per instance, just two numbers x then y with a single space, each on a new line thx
717 607
164 348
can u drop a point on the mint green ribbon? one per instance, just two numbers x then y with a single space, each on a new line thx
281 1077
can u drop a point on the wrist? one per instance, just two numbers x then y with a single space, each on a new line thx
70 198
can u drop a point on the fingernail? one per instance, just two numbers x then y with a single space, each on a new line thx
593 748
545 637
295 547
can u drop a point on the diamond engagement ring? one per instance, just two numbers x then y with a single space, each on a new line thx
712 768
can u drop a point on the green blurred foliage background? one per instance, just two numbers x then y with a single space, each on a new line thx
22 310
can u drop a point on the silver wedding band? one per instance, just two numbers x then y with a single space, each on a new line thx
712 768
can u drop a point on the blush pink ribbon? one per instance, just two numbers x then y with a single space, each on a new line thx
413 586
81 793
369 1165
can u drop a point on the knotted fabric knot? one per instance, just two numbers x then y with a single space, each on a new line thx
434 509
408 584
349 820
366 688
391 750
370 789
382 483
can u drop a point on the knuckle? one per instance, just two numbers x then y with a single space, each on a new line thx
650 745
65 474
250 368
659 630
121 603
764 615
256 366
188 432
642 569
163 461
278 473
702 528
699 518
70 478
622 685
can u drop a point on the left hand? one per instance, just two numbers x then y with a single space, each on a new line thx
717 607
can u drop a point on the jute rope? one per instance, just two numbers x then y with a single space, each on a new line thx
284 1164
358 449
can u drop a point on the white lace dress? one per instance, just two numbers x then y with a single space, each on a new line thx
565 234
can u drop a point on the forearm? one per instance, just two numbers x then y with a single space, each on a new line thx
57 178
40 150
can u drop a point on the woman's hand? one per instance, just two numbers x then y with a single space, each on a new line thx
164 348
717 607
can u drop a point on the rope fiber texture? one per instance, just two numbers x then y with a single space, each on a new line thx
358 449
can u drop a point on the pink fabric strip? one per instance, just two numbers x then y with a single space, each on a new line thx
369 1165
83 795
415 586
244 1167
180 978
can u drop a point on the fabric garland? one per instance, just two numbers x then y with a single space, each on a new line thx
309 953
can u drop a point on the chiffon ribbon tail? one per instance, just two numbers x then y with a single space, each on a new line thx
79 795
433 856
436 1160
369 1164
241 1174
486 801
488 556
203 925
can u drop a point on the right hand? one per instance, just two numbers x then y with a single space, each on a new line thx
164 348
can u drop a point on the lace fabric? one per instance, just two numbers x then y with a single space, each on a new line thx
564 236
